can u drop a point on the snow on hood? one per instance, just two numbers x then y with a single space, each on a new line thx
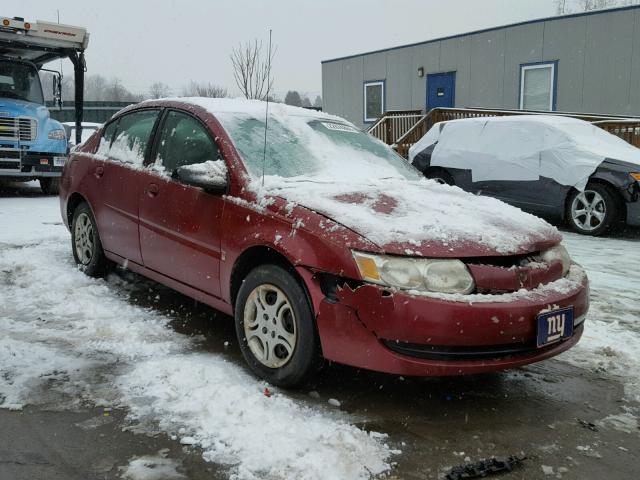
419 217
15 107
323 163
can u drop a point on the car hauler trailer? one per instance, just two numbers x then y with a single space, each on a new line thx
33 145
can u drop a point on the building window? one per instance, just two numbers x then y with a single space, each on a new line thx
373 100
538 86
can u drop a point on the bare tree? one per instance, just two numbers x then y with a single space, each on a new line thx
159 90
195 89
252 69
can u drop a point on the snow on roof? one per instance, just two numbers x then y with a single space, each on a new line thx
524 148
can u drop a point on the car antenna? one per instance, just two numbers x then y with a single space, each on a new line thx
266 115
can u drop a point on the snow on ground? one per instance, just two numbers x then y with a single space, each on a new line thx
81 337
611 340
63 332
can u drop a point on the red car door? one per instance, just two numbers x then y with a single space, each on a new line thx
119 179
180 224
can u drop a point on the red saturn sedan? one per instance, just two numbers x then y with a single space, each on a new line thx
320 241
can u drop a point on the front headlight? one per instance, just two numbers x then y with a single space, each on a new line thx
557 253
443 276
57 135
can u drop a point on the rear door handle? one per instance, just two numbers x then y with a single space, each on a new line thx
99 172
152 190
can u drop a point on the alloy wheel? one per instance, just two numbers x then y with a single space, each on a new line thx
588 210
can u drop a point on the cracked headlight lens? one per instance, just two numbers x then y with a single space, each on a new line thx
423 274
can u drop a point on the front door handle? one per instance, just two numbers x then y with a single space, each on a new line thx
99 171
152 190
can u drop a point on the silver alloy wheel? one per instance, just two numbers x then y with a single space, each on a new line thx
270 326
84 238
588 210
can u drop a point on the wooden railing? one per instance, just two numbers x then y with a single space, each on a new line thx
627 128
394 124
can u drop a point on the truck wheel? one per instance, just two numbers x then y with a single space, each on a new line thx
50 186
593 211
85 242
276 327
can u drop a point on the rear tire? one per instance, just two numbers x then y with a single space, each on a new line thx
50 186
440 175
276 328
594 211
86 244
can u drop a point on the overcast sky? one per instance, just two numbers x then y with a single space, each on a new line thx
177 41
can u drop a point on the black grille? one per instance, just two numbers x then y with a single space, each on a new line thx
18 128
4 165
449 353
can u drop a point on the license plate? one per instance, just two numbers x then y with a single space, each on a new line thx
59 161
555 325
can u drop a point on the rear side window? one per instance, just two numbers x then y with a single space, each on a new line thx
106 138
183 141
132 136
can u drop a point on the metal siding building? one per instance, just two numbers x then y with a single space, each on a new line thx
592 60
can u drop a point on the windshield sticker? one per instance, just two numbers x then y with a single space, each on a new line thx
339 127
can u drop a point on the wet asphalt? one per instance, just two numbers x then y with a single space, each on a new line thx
551 413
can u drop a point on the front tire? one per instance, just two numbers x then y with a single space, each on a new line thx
593 211
86 244
276 327
50 186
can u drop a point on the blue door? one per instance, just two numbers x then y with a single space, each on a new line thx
441 90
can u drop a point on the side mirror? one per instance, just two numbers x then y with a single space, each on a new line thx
211 176
57 90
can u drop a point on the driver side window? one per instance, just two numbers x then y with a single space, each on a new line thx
183 141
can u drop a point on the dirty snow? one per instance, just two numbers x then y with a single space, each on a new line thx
63 332
151 468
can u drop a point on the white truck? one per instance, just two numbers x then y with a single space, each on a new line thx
32 144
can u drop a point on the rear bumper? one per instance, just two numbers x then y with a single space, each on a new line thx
422 336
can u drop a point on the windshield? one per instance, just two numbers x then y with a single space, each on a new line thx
20 81
325 150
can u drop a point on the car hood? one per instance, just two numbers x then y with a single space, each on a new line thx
421 218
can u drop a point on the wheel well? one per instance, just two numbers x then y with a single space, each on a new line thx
74 200
254 257
622 205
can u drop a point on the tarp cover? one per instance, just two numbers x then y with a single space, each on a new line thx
524 148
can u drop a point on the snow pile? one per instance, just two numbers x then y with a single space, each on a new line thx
525 147
227 414
63 332
416 212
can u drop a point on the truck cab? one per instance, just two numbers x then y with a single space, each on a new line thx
33 146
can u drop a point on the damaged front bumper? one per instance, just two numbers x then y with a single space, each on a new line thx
375 328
